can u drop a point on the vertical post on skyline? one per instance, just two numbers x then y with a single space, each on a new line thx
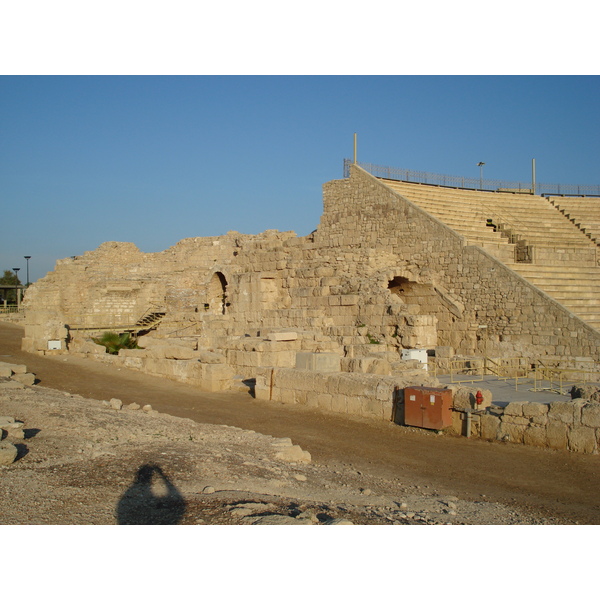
27 259
533 175
355 148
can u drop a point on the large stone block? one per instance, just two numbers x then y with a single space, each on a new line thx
556 434
582 439
490 426
535 436
356 384
514 409
466 397
590 415
24 378
16 369
534 409
562 412
511 432
318 361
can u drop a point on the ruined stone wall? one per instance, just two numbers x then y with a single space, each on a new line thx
481 305
378 275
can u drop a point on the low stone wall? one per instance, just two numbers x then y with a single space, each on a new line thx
361 394
572 425
209 377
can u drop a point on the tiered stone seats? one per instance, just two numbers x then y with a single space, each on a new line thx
555 255
584 212
464 214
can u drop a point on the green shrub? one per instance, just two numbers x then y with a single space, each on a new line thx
113 342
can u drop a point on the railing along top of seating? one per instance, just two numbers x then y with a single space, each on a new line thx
474 183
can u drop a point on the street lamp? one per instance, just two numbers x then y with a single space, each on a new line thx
27 259
16 270
480 165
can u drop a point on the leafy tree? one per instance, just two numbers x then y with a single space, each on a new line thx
9 278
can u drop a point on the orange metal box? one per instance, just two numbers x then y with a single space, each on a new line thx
430 408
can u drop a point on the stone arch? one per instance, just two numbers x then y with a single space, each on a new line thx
217 294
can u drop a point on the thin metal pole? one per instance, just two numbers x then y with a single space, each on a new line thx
355 148
533 175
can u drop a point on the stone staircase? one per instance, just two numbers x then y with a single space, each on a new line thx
527 233
583 212
149 321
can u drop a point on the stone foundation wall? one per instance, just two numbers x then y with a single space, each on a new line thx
360 394
573 426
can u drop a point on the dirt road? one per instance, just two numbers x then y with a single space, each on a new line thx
553 483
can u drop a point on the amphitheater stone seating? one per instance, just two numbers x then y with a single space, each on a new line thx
583 212
525 232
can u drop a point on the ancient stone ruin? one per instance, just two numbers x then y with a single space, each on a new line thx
395 274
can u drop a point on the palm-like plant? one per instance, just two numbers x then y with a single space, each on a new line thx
113 342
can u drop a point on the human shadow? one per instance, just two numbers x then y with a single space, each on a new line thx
142 505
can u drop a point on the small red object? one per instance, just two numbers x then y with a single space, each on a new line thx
479 397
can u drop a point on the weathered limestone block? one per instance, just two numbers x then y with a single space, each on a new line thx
339 403
88 347
8 453
172 352
16 369
133 363
318 361
590 415
535 435
374 409
511 432
515 420
582 439
210 357
490 426
464 397
534 409
134 352
282 336
293 454
216 378
556 434
357 384
15 385
24 378
5 370
514 409
562 411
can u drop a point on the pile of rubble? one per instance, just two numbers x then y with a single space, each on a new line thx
11 430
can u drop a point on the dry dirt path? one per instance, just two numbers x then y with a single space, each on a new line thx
553 483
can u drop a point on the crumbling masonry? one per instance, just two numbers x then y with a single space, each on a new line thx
382 272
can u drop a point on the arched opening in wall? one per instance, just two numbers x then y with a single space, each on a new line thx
403 287
217 294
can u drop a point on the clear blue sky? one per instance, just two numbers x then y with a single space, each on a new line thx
154 159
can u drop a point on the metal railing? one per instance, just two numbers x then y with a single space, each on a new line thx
473 183
5 310
543 377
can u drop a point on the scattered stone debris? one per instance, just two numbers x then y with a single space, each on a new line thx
79 461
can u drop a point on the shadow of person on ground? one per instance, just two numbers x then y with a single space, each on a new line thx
142 504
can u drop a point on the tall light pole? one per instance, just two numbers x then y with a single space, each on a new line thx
480 165
16 270
27 259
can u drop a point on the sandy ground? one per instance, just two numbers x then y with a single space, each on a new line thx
83 461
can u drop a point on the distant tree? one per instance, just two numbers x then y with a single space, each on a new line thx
9 278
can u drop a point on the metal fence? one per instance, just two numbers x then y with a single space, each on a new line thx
473 183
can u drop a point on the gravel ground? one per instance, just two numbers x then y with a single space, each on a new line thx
81 461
